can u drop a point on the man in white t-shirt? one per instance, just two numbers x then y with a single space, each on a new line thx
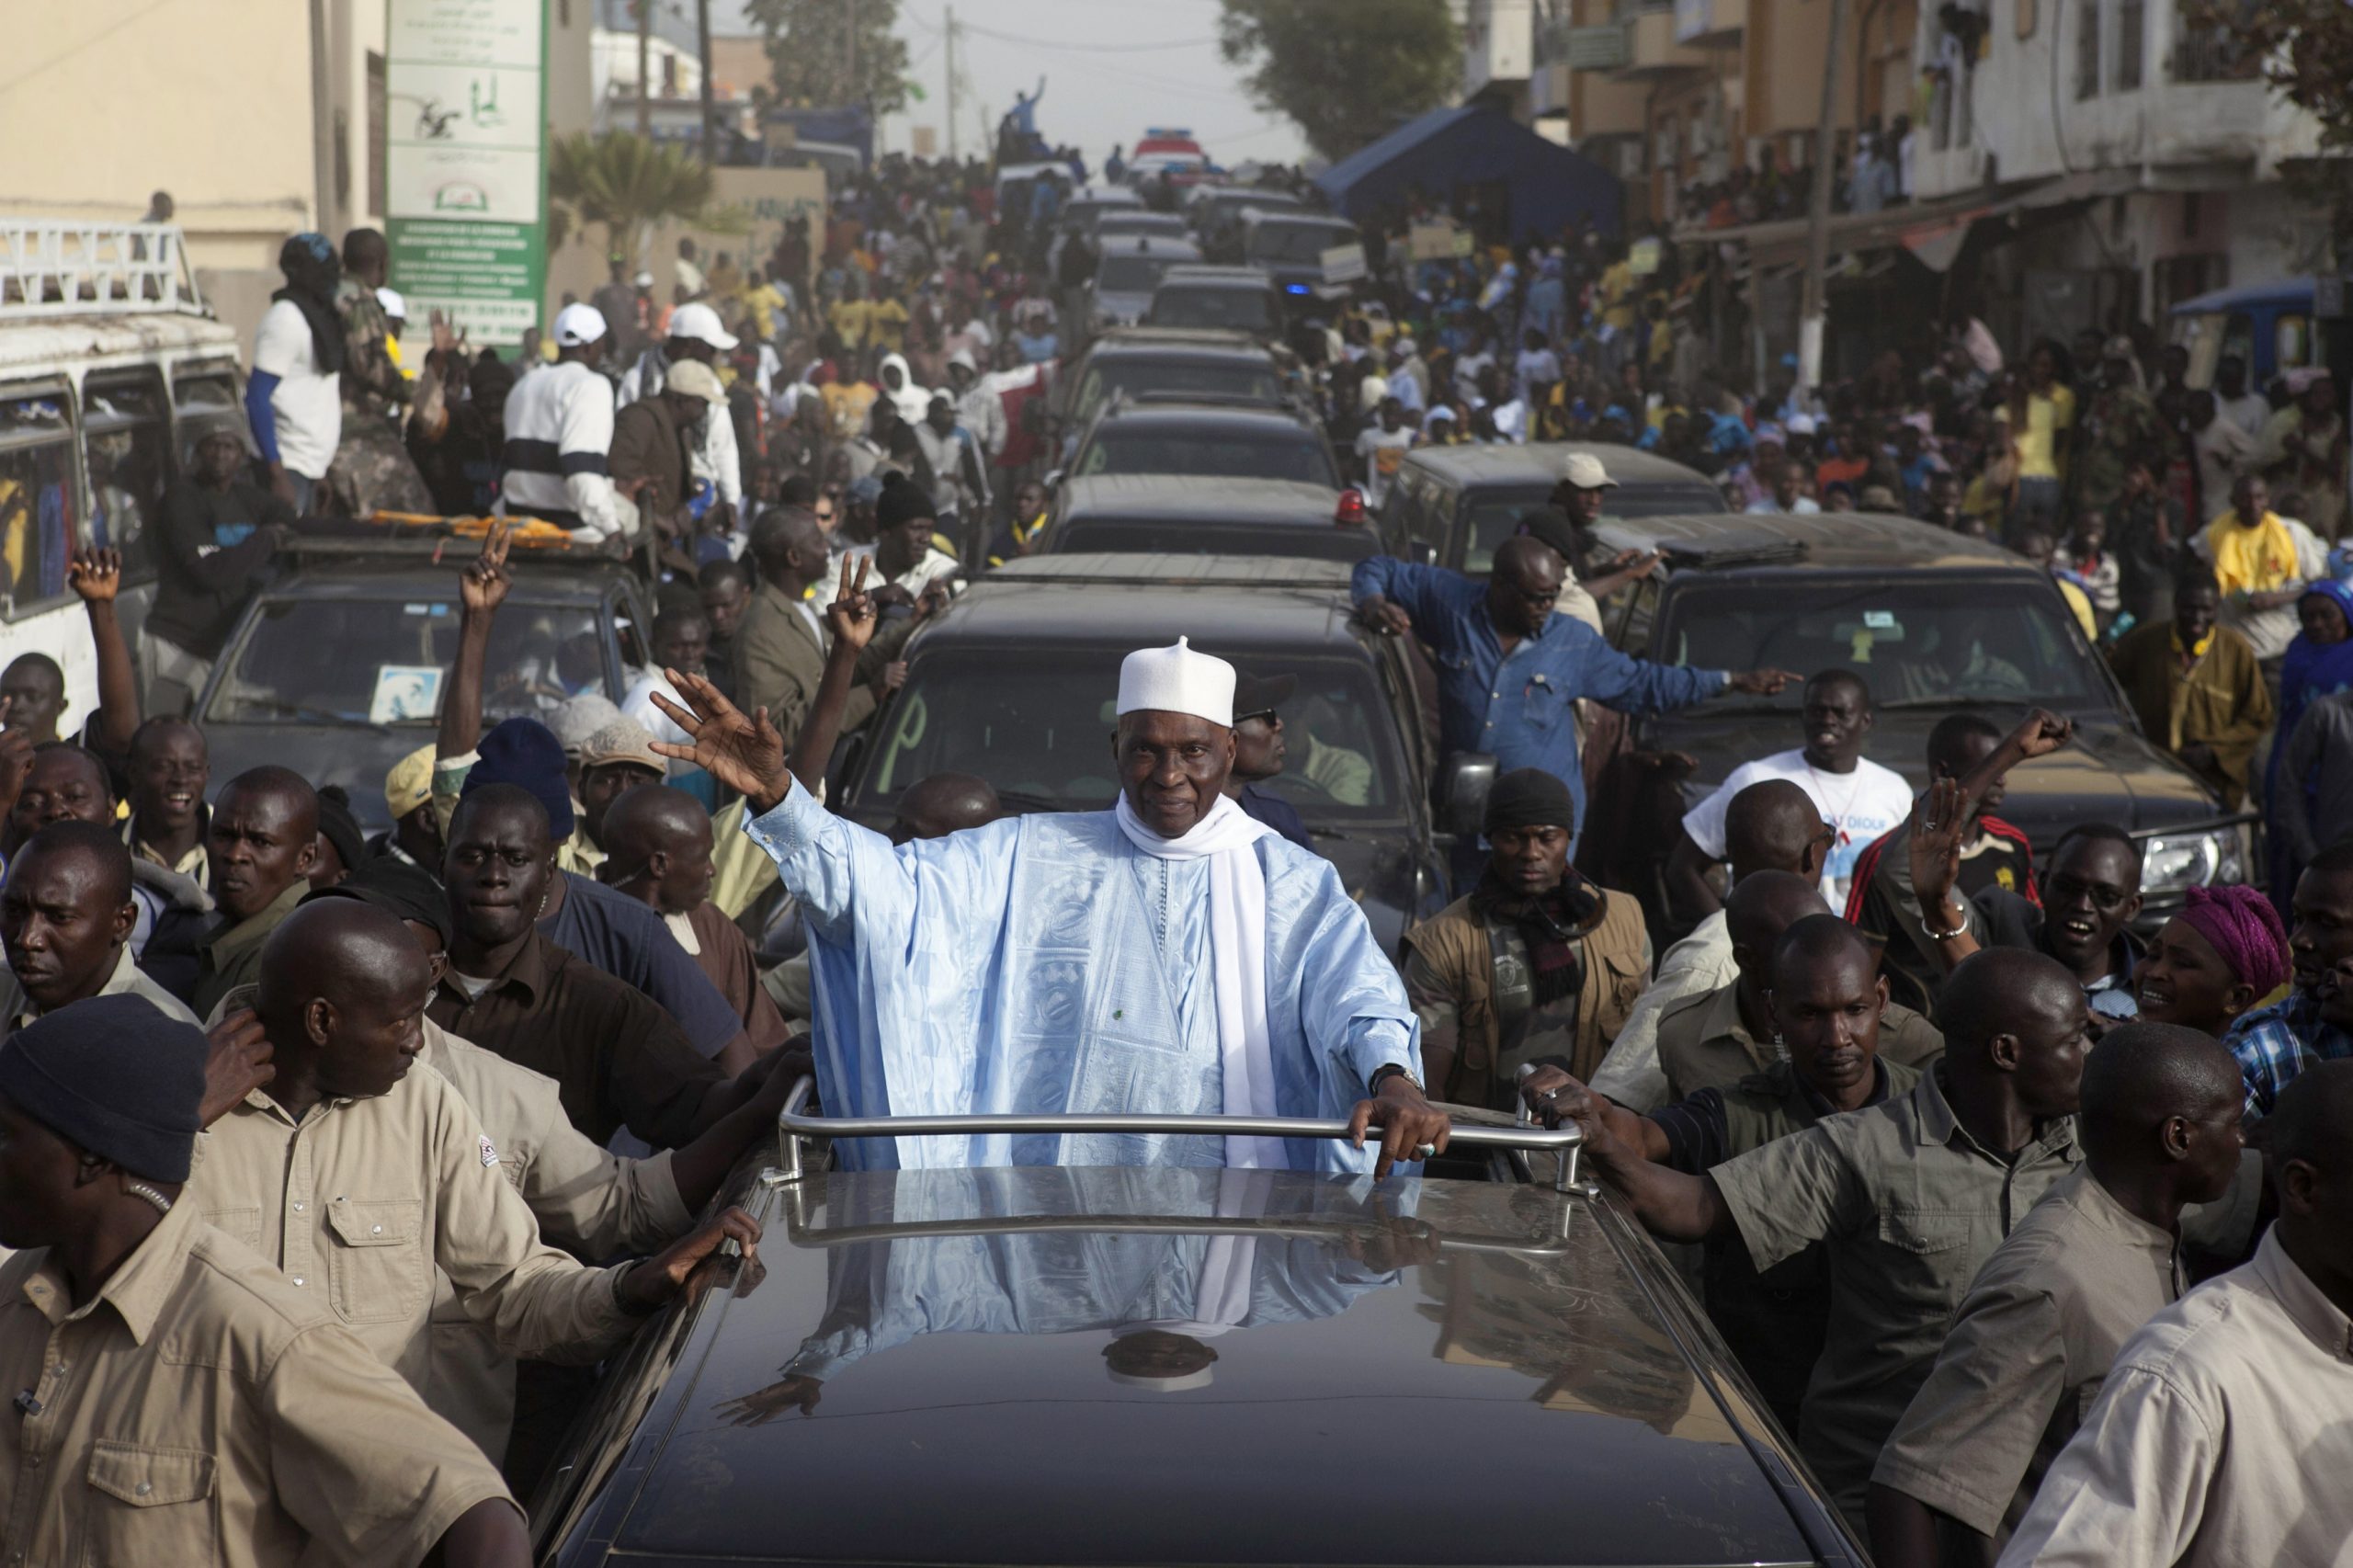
1857 797
1380 450
294 397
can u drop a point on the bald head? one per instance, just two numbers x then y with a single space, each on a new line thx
1821 944
2308 1155
338 949
342 998
1530 559
2158 1096
942 804
102 859
653 818
262 839
1762 907
1774 826
288 790
2313 1120
2014 1021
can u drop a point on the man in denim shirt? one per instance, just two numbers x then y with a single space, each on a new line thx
1509 670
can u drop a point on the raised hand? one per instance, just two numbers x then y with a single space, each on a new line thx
2042 734
852 617
745 753
482 586
1934 847
95 575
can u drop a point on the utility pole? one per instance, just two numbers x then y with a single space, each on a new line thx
951 82
645 67
709 110
1817 250
849 53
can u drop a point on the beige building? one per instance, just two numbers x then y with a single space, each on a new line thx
261 117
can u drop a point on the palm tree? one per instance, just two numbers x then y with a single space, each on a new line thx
629 184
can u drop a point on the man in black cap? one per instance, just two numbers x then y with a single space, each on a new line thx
1259 752
342 847
225 1390
1535 962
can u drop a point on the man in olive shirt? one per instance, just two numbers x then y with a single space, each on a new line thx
364 1181
1827 1003
1910 1196
2045 1317
176 1400
1718 1038
262 842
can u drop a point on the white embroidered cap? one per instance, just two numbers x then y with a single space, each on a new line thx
1177 680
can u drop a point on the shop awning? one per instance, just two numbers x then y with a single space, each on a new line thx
1932 230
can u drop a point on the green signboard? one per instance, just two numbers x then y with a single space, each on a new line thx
465 163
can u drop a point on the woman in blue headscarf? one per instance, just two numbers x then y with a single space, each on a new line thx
2319 663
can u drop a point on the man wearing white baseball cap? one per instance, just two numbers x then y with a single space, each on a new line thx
1171 955
696 334
560 433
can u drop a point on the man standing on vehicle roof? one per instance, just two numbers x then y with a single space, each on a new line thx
1170 956
560 435
1509 668
292 397
695 334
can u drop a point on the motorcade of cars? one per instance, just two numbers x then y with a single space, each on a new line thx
1152 435
1937 623
112 369
1453 506
1015 683
1079 213
1096 1363
336 668
1217 298
1224 367
1162 515
1127 271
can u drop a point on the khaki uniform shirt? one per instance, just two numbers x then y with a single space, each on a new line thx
127 979
1909 1206
1699 964
1703 1044
363 1199
2043 1321
232 954
200 1410
2219 1439
585 1198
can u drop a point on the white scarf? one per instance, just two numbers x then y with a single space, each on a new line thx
1237 957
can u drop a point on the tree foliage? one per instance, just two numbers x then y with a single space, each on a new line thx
627 183
811 53
1348 71
2307 50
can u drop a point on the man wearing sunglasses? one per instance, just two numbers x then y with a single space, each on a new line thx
1259 753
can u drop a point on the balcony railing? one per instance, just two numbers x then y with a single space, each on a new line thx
2208 46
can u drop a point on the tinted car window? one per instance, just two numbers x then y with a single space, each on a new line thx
1309 543
1494 514
1243 310
380 661
1227 380
126 450
1297 243
39 503
1039 728
1238 457
1944 640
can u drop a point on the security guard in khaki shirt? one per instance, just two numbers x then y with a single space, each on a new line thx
1717 1038
1910 1197
177 1403
359 1176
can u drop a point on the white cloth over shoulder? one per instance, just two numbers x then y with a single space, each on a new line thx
1047 964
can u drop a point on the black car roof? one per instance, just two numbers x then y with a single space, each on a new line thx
1826 541
957 1321
1100 600
548 582
1180 344
1179 497
1540 463
1216 418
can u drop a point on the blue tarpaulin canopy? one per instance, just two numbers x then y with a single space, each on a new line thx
1547 186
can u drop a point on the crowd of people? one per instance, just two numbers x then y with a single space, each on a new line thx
335 1160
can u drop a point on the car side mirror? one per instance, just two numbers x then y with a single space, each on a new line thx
1053 480
1465 783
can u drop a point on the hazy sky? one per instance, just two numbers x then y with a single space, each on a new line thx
1112 68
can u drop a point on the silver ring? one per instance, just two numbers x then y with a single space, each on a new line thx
1423 1151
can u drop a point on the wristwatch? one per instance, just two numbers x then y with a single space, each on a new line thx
1382 1074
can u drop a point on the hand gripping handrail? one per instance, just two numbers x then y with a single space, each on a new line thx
793 1125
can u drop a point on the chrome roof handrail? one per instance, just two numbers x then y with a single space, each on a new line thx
794 1125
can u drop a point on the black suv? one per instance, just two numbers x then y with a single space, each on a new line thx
1453 506
1209 439
1224 299
1224 367
1015 682
1155 514
1937 623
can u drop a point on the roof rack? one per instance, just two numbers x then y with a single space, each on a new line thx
411 537
794 1125
54 266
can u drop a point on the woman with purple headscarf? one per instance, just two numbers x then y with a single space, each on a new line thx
2225 953
2319 663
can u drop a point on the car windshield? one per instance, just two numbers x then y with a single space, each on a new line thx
1244 310
1037 727
1226 379
1927 642
1306 541
1496 514
1296 242
339 661
1129 274
1234 456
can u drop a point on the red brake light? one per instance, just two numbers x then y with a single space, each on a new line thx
1350 512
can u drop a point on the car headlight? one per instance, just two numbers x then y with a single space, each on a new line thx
2176 862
